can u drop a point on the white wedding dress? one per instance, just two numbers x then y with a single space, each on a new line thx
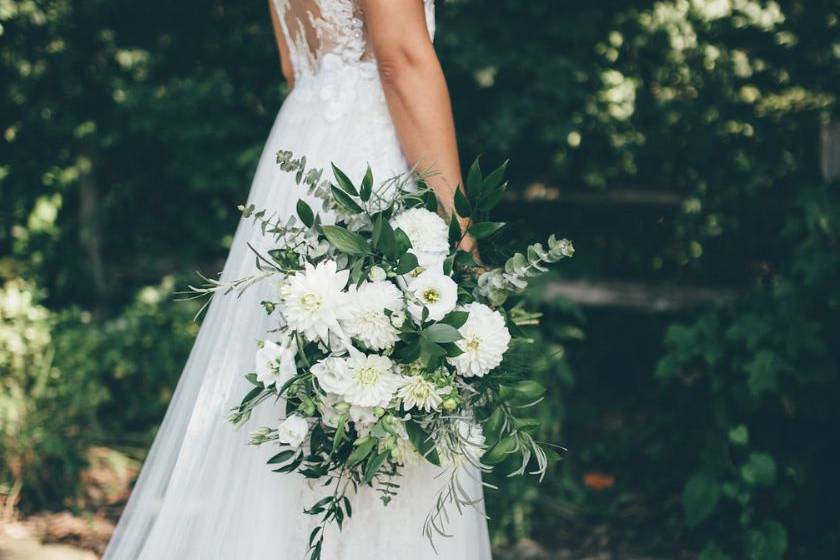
203 493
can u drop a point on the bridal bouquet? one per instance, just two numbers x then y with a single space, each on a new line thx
387 346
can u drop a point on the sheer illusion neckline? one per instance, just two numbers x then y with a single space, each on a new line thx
321 33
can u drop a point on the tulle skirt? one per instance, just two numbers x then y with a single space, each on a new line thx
203 492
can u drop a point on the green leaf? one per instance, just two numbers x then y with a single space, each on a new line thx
282 457
305 213
361 452
527 391
759 470
462 205
739 435
367 185
441 333
455 318
713 551
402 242
700 498
485 229
489 200
474 180
384 239
344 181
500 451
373 464
422 442
430 201
454 230
495 421
763 371
766 543
345 200
346 241
494 178
408 262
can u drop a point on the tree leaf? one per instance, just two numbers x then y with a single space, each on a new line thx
474 180
462 205
373 464
344 181
282 457
441 333
408 262
454 230
305 213
456 318
346 241
700 498
759 470
345 200
367 185
485 229
422 442
500 451
361 451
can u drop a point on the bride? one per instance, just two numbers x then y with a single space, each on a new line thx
367 88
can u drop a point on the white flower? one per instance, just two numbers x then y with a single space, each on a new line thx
485 340
435 291
372 381
368 320
398 318
421 394
292 431
429 236
426 230
276 362
332 374
314 301
362 416
402 450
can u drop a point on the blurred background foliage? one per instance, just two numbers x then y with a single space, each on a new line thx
691 345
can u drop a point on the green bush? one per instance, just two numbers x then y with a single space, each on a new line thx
68 381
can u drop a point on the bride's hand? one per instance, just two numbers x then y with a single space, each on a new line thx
469 245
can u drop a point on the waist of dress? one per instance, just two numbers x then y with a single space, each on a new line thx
339 87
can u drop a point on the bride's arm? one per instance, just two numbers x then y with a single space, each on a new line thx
416 91
285 60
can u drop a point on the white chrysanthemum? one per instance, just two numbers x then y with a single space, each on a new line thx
275 363
314 301
426 230
368 320
332 374
435 291
293 431
372 381
421 394
485 340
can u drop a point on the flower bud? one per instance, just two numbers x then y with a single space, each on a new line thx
376 274
450 404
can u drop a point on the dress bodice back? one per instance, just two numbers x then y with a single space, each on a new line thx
315 29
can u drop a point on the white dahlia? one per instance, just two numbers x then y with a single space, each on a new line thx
368 320
292 431
275 363
421 394
435 291
372 381
313 301
426 230
485 340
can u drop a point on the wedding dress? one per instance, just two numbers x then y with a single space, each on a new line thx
203 492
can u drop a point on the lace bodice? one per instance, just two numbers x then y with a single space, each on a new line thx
328 30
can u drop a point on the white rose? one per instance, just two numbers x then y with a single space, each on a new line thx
426 230
293 431
434 291
275 363
332 374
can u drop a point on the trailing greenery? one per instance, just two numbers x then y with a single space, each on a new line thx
128 126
